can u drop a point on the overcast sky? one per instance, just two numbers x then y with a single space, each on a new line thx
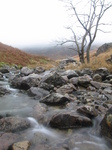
35 22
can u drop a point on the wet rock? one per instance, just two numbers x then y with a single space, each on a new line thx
68 88
84 81
38 93
39 112
97 78
106 124
26 71
13 124
38 70
100 85
6 139
4 70
20 145
88 111
4 91
25 82
69 120
54 79
55 99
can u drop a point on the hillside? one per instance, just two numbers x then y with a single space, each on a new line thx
11 56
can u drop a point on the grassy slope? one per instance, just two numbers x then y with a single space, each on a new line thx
10 55
95 61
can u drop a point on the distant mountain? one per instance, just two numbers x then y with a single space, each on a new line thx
11 55
54 52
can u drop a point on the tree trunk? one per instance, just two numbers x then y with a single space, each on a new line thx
88 53
81 57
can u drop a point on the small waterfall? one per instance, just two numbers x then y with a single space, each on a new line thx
40 128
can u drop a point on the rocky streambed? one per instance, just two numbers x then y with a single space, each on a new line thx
55 109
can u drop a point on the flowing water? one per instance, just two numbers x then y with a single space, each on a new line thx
18 103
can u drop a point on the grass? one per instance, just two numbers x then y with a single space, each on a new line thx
95 61
14 56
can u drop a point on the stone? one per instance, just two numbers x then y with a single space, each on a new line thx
70 74
86 71
4 70
21 145
26 71
4 91
84 80
88 111
37 92
13 124
99 85
68 88
39 70
54 79
97 78
106 124
25 82
55 99
69 120
74 81
103 72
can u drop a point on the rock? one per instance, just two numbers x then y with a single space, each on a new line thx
54 79
20 145
68 88
4 70
39 111
74 81
69 73
38 93
109 60
25 82
46 86
26 71
88 111
99 85
103 48
69 120
67 61
38 70
84 80
86 71
13 124
97 78
55 99
106 124
6 139
4 91
103 72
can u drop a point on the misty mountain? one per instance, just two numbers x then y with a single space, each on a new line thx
54 52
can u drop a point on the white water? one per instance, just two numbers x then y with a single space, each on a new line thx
36 127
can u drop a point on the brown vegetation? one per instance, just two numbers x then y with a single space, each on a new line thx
14 56
96 61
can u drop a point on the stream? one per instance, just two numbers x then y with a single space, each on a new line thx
18 103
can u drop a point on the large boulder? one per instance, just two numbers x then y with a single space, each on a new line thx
26 71
54 79
13 124
37 92
100 85
106 124
84 80
20 145
69 120
103 48
55 99
25 82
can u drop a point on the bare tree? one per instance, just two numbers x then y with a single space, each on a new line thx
88 21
